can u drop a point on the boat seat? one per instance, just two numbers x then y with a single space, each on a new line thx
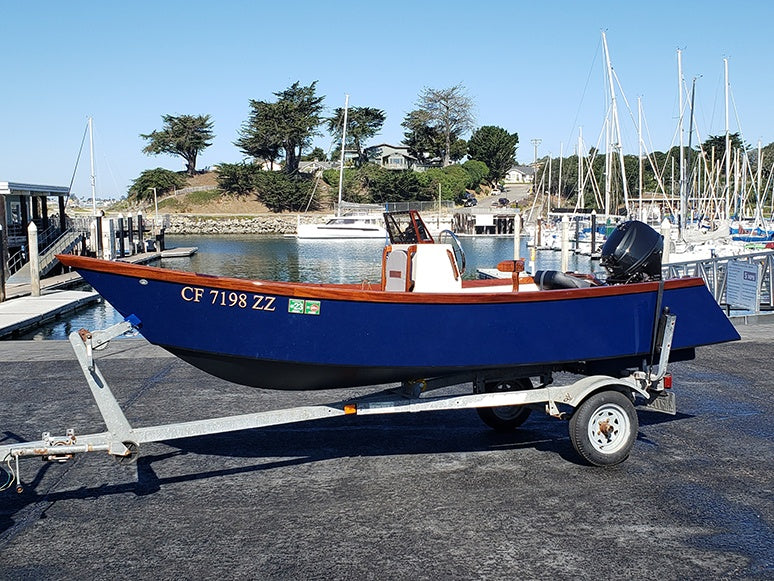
555 279
397 270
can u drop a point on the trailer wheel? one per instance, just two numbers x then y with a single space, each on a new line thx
507 417
131 458
604 427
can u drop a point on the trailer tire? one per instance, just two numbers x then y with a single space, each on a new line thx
603 428
131 457
508 417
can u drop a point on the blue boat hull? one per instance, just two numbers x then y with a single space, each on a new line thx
307 336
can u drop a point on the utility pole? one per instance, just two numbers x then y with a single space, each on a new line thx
535 142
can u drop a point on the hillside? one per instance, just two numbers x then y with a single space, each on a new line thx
201 196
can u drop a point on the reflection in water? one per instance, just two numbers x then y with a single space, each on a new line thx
279 258
288 259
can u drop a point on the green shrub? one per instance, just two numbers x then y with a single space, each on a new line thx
386 185
477 170
237 178
162 179
453 180
281 192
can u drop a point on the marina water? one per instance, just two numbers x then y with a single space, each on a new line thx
281 258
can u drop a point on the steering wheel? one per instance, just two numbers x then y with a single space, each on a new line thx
459 253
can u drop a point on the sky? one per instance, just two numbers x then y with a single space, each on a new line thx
533 68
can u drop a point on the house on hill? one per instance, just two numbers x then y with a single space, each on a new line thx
315 166
391 156
520 174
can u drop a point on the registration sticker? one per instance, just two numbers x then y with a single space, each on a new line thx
303 307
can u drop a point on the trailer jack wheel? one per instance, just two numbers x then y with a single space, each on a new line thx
603 428
505 418
131 457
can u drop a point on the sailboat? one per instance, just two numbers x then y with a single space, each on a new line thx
359 221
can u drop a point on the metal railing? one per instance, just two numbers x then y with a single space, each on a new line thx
62 245
47 236
192 189
714 273
483 209
423 207
16 262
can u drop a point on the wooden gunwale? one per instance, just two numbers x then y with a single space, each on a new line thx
356 292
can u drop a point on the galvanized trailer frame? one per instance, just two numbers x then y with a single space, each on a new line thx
122 441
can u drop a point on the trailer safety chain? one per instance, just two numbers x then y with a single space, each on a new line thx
11 474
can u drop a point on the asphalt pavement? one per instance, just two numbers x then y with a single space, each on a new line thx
436 495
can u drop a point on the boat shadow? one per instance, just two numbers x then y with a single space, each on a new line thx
291 445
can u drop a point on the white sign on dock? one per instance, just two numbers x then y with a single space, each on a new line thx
742 288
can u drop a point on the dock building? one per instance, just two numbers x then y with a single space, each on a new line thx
21 204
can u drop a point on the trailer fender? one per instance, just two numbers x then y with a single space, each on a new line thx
574 394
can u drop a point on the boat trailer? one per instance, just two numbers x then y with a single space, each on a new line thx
600 408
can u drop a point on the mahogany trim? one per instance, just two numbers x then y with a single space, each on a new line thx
411 252
346 292
385 251
453 261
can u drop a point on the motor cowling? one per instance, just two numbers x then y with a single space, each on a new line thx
632 253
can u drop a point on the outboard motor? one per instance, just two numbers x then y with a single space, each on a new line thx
632 253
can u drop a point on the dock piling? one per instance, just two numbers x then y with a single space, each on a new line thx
32 239
3 262
121 235
666 232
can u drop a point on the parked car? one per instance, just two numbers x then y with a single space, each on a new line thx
470 202
504 202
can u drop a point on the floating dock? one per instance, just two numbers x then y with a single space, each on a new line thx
25 313
146 257
22 312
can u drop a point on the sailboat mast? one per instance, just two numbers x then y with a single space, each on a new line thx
341 161
548 209
612 132
559 187
688 163
93 179
759 197
579 203
639 156
728 147
681 222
